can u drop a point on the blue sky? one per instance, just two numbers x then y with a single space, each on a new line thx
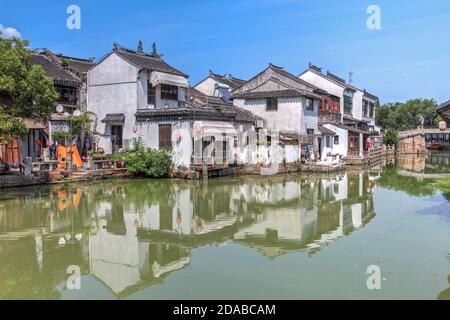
409 57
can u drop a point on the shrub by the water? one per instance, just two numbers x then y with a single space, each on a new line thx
147 162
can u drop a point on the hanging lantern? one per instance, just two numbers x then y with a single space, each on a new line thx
135 129
442 126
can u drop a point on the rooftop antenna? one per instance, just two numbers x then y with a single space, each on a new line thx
350 77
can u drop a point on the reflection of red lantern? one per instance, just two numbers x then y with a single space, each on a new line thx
178 136
38 142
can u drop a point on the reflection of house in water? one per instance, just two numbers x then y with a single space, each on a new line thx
327 209
119 259
431 163
136 234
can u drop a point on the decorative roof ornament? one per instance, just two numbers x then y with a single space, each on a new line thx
155 51
140 48
116 46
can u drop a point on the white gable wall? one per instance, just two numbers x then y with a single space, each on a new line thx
113 88
324 84
207 86
291 114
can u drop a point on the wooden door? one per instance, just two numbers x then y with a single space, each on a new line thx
353 143
165 136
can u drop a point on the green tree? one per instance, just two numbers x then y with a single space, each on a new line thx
407 115
10 127
391 137
25 90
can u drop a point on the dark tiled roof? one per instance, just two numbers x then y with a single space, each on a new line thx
336 79
287 74
114 117
203 106
349 128
228 80
147 61
189 111
444 105
288 93
53 69
79 65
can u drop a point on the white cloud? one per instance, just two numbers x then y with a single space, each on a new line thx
7 32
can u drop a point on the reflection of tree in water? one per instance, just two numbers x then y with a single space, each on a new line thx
390 179
21 275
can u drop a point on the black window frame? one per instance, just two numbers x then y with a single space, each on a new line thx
272 104
348 104
169 92
336 139
151 93
311 106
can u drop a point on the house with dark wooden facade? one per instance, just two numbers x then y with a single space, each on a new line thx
69 79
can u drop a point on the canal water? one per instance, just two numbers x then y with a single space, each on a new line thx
281 237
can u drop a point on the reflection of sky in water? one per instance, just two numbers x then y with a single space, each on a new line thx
307 236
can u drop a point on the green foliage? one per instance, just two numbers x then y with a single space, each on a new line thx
25 90
79 124
443 185
10 127
391 137
390 179
146 162
61 136
406 116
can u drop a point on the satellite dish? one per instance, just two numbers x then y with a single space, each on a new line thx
77 113
59 108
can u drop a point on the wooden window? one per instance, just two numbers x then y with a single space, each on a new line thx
67 94
151 94
336 139
348 104
371 109
309 104
328 142
165 136
365 108
272 104
336 104
310 132
169 92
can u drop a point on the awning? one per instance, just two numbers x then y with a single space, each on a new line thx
31 124
114 118
324 131
157 77
212 128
